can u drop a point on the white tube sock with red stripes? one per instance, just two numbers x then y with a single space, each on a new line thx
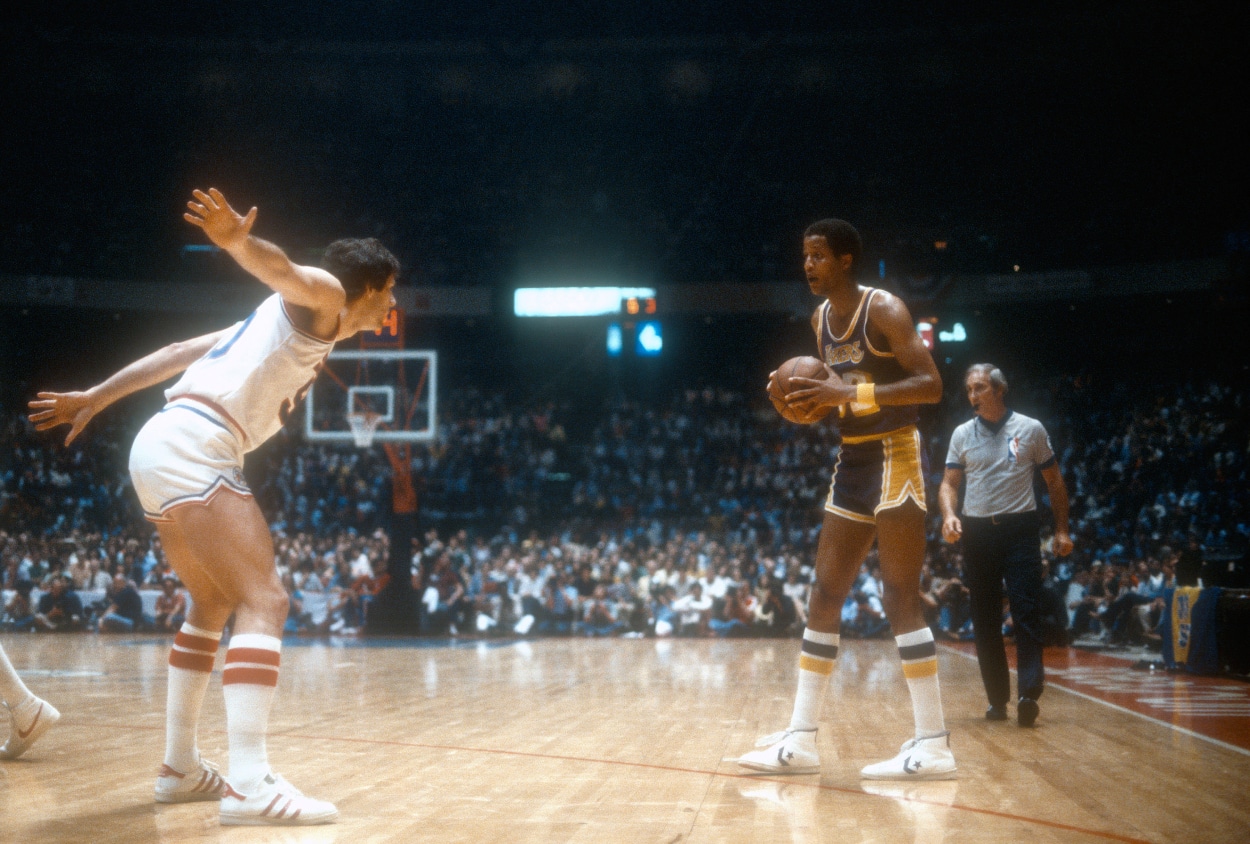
190 665
248 682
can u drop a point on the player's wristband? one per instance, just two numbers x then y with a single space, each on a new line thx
866 394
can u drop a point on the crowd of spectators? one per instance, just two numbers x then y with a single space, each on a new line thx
697 516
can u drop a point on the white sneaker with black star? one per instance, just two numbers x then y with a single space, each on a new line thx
787 752
274 802
918 759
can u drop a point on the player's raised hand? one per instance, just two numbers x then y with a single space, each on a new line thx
224 226
53 409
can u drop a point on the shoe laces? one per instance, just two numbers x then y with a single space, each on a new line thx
773 738
913 743
285 786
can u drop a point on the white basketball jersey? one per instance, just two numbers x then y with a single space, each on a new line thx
256 374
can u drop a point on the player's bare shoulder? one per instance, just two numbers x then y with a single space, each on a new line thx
816 318
886 311
887 318
320 315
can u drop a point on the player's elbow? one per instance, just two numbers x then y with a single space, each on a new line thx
931 389
187 351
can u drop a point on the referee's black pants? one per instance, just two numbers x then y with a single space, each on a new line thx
998 548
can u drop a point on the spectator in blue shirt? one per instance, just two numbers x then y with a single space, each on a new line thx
125 610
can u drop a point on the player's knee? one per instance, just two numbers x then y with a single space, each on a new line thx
898 597
821 596
271 601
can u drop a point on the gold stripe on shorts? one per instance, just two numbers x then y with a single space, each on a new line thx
902 477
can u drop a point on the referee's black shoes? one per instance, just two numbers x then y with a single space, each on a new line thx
1026 711
996 713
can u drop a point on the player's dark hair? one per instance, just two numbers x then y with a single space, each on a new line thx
842 238
359 264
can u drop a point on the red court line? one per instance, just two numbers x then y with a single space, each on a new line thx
1227 731
1110 836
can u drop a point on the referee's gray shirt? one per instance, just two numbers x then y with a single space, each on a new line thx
998 463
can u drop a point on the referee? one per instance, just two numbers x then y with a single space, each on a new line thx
997 451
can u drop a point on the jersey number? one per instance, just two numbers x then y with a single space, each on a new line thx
222 348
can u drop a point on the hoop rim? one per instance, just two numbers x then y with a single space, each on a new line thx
364 426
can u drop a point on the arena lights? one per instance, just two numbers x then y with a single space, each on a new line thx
650 339
578 301
925 329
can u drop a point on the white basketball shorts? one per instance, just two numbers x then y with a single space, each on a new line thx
184 455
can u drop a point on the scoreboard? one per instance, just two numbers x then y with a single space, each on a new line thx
389 336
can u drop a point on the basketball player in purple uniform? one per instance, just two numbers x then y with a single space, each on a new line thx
880 372
237 388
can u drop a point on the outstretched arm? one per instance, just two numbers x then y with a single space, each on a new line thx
305 287
76 409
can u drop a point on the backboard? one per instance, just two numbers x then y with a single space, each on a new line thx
399 385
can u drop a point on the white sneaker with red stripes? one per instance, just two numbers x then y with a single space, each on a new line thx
203 783
274 802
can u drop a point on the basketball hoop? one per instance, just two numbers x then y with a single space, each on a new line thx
364 425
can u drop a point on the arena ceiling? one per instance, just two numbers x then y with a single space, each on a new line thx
1064 135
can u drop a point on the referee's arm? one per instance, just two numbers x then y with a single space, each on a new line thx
1058 505
948 500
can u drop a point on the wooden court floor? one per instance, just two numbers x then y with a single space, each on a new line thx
573 740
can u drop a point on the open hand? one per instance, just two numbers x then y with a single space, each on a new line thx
224 226
53 409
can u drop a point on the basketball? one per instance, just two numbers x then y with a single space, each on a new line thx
799 367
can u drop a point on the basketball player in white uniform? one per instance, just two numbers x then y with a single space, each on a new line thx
237 387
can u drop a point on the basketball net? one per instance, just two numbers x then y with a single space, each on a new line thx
363 425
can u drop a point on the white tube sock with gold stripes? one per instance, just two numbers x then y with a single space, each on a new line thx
816 660
919 655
